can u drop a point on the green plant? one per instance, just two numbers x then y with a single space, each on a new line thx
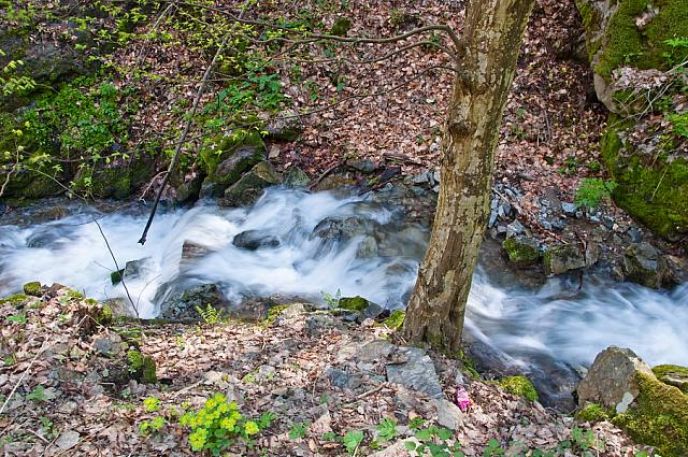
387 429
155 424
151 404
298 431
19 319
678 50
435 442
37 394
493 449
332 301
592 191
352 440
219 423
209 314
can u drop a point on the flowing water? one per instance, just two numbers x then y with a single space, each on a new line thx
357 245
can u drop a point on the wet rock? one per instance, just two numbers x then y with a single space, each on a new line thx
193 250
132 269
230 170
296 177
522 251
181 304
286 126
190 190
367 248
642 263
255 239
673 375
415 372
560 259
342 229
611 380
251 185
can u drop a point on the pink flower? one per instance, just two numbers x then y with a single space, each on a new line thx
462 399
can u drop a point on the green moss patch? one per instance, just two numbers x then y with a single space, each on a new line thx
659 417
395 320
521 251
519 385
674 375
358 304
652 189
33 288
593 412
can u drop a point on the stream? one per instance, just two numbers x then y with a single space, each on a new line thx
305 245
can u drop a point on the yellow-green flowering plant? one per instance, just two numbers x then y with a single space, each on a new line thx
219 424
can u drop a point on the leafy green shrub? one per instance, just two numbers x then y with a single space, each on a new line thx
592 191
219 424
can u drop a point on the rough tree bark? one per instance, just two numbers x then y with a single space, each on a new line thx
492 37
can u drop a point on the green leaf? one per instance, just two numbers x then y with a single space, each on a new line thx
387 429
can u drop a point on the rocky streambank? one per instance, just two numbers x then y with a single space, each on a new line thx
79 381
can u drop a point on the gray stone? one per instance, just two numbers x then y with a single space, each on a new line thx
180 303
448 414
643 263
560 259
286 126
341 229
296 177
570 209
363 165
515 229
367 248
255 239
611 380
343 379
417 372
67 440
251 185
193 250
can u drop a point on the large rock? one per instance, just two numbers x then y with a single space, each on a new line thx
230 170
611 380
521 251
414 369
630 33
651 412
643 263
560 259
179 303
255 239
251 185
287 126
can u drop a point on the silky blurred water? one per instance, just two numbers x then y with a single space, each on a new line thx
523 324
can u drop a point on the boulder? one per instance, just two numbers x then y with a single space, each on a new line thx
231 169
296 177
287 126
343 228
643 263
560 259
522 251
414 369
650 411
251 185
179 303
673 375
255 239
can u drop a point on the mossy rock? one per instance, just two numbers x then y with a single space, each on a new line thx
673 375
33 289
563 258
519 385
14 300
651 189
357 304
615 39
395 320
251 185
658 417
32 185
521 251
221 148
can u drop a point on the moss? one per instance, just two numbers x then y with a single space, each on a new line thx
665 372
273 314
591 19
358 304
651 189
625 44
658 417
592 412
116 277
148 372
519 385
220 148
33 288
520 251
105 315
395 320
14 300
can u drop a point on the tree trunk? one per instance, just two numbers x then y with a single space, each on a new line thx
492 35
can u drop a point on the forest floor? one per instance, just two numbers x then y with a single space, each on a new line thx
331 386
